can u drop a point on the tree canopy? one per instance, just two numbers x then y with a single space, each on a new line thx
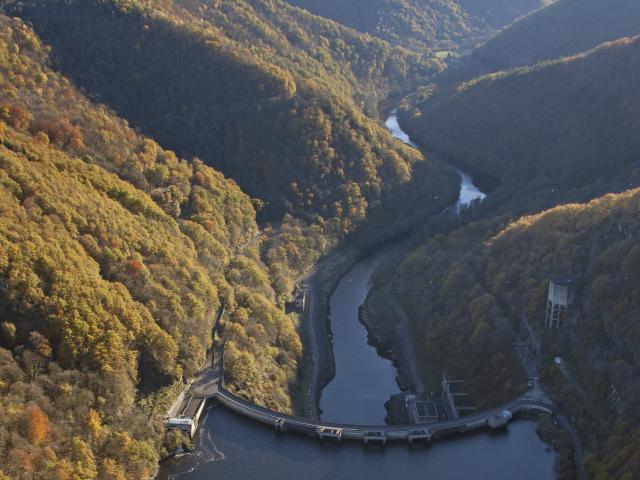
115 258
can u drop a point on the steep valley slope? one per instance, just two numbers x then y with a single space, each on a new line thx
561 130
115 258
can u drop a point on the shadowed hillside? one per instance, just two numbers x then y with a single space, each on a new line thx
142 142
423 24
565 28
562 130
501 13
221 84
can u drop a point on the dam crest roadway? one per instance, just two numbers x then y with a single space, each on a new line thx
209 384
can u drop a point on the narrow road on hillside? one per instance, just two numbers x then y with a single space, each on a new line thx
578 450
313 319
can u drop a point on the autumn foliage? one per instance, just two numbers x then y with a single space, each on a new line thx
134 267
472 285
273 100
36 425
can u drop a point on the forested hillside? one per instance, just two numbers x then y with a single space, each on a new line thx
563 130
501 13
142 142
115 256
465 293
422 24
319 53
565 28
566 129
256 89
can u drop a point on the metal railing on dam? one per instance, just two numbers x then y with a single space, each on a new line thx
494 419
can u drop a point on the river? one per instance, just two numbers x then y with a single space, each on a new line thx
364 381
229 446
468 191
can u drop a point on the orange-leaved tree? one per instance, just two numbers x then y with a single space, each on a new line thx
36 425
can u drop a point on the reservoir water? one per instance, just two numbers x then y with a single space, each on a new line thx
231 447
364 381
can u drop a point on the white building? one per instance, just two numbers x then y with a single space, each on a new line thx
187 425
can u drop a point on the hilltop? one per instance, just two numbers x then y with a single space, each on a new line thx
424 25
501 13
567 27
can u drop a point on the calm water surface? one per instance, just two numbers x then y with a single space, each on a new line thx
364 381
468 191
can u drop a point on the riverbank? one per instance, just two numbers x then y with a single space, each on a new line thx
321 284
410 127
401 339
389 327
392 338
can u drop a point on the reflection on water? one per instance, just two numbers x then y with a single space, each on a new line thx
394 127
364 381
468 191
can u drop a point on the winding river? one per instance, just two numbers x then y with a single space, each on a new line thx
468 191
229 446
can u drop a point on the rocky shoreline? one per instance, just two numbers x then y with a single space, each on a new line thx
321 284
389 344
